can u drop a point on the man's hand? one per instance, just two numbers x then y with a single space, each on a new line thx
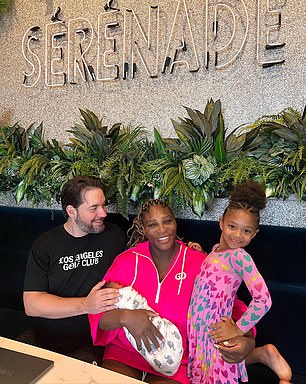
101 300
139 324
224 330
236 349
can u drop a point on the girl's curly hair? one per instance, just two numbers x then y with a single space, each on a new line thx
250 196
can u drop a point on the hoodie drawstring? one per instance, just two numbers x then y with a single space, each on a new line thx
182 275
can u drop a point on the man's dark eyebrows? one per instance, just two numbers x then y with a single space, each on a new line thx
93 206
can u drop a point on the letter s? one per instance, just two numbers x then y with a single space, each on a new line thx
30 78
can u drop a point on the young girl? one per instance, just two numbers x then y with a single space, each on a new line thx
209 317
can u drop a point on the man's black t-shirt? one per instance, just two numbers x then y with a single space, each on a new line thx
69 266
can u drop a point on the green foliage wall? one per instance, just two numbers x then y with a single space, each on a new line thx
202 162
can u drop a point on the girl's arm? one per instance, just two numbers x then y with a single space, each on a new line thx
243 265
261 298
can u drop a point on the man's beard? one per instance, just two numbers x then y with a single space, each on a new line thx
89 228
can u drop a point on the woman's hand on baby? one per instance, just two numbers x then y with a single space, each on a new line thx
195 246
139 324
224 330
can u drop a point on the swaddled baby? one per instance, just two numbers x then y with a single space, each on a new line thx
167 358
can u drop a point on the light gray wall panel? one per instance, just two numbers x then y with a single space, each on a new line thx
246 89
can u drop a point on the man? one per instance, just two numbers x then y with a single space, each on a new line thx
64 270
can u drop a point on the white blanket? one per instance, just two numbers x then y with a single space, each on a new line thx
167 358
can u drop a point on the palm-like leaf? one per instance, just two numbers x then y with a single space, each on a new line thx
121 172
208 125
167 175
92 139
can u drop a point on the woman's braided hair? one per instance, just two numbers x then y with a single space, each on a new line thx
136 232
250 196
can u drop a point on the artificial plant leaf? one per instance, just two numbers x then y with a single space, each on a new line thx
208 129
234 143
251 136
200 201
161 147
208 108
220 153
181 133
114 131
200 146
290 118
91 121
214 117
82 133
286 134
183 130
258 141
300 129
34 167
36 138
135 193
77 143
21 190
199 121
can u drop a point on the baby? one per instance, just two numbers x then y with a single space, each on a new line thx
167 358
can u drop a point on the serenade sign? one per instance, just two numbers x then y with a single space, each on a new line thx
124 44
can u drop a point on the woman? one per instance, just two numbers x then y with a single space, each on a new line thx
162 269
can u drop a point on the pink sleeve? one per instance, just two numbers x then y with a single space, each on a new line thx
238 310
261 299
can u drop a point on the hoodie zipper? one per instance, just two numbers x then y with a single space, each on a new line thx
179 276
159 284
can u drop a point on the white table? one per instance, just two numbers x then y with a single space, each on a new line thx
67 370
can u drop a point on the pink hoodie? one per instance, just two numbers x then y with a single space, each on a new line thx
169 298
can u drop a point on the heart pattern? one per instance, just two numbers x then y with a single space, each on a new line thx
239 262
244 322
225 267
233 368
224 374
254 317
258 287
227 279
224 272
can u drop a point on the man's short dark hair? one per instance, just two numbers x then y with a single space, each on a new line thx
73 191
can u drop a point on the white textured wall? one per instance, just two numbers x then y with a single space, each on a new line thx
246 89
